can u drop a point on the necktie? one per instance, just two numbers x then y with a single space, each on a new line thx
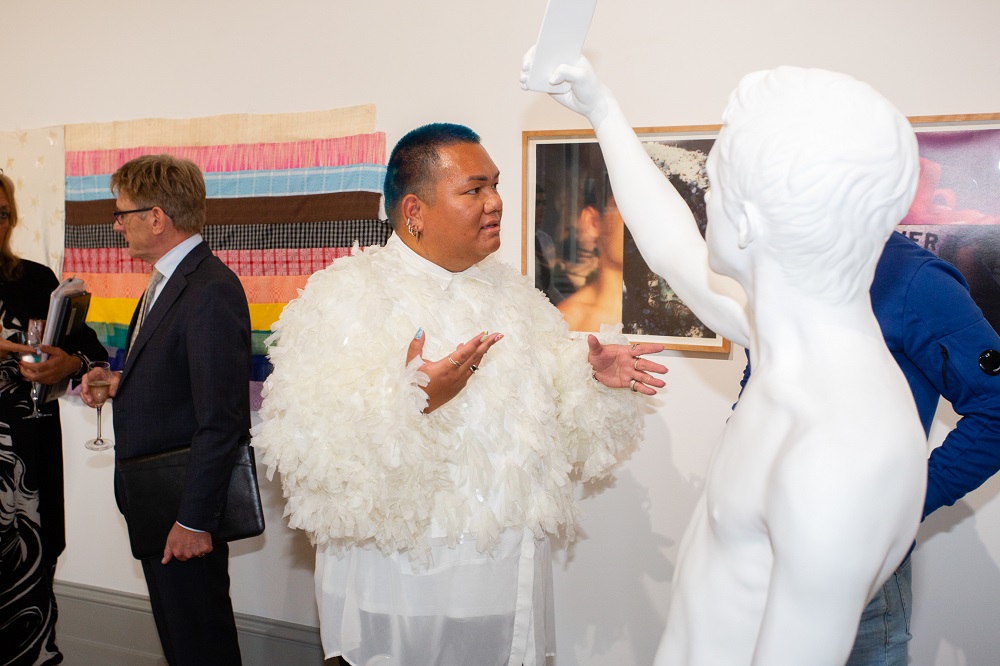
145 304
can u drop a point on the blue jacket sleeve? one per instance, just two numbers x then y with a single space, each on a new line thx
944 335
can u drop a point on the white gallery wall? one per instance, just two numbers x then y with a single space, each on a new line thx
670 63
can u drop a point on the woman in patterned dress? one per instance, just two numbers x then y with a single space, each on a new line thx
32 516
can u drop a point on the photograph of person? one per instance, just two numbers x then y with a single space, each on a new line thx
585 259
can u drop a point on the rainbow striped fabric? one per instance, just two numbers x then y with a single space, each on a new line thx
280 206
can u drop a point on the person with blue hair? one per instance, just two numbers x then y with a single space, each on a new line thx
428 414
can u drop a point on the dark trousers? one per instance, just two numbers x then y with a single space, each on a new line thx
192 609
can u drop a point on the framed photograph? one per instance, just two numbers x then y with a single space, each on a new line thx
956 212
578 250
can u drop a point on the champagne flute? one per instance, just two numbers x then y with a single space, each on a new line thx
36 329
99 383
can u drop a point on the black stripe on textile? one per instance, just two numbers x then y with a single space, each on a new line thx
297 235
254 236
92 237
340 206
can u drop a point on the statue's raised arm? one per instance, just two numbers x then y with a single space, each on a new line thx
661 223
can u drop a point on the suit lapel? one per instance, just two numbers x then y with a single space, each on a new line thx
169 294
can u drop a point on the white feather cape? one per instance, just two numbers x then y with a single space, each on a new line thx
342 423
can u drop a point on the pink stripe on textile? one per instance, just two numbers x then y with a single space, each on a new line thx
304 261
101 260
357 149
277 262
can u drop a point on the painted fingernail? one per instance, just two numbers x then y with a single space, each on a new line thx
486 334
420 334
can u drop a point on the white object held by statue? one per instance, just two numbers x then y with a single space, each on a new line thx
814 494
560 40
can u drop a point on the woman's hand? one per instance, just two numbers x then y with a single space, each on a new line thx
449 375
15 348
617 366
56 367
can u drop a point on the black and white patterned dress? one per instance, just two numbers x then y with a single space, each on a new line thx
32 515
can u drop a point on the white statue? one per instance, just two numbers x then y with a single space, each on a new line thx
814 494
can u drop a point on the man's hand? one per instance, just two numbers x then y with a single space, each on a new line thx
617 366
85 388
183 544
449 375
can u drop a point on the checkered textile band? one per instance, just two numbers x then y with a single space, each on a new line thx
259 236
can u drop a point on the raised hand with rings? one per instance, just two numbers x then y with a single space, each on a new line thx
611 365
448 376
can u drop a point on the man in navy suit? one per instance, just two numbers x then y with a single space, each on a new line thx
184 383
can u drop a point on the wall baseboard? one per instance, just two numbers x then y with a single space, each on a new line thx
111 628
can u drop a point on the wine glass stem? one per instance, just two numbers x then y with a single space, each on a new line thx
99 421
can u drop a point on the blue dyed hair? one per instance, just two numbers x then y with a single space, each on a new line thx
414 162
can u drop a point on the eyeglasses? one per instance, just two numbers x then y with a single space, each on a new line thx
118 214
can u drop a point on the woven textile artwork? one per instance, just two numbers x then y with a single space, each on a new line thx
287 195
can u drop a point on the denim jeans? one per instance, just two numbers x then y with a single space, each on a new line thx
885 623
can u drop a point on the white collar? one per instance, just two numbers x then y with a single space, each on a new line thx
169 262
442 275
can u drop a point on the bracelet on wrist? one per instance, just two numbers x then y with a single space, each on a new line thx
83 366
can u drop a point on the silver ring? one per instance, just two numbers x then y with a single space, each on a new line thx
635 366
474 367
454 362
631 385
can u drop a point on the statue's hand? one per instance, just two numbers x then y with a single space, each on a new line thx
526 63
587 95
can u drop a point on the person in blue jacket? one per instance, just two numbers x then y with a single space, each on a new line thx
945 348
